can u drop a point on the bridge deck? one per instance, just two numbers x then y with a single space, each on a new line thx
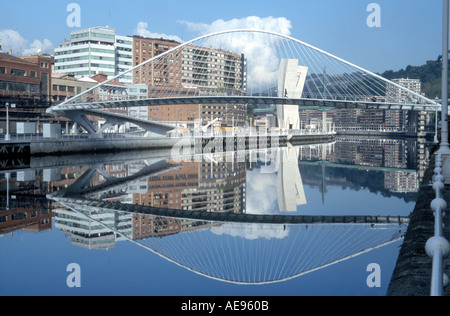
304 102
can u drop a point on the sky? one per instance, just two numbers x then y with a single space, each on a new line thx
409 33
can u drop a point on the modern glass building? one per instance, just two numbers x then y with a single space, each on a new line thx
93 51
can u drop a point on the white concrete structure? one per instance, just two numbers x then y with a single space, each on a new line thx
52 130
136 92
291 81
25 128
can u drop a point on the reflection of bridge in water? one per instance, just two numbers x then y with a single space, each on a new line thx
232 247
229 217
253 253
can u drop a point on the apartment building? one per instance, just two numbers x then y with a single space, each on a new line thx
216 72
96 50
192 70
165 72
213 69
397 95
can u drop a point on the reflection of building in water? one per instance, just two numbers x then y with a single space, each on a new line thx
165 190
209 185
25 206
145 226
284 163
383 153
149 226
221 186
401 181
396 157
93 229
162 191
289 181
25 213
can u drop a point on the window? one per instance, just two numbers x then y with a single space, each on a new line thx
2 70
18 72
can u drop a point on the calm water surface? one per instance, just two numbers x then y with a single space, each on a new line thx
145 223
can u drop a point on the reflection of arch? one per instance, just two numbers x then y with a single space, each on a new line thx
276 253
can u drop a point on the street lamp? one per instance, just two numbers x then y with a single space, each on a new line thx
445 150
7 137
436 141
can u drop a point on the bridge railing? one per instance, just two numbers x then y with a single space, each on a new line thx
437 247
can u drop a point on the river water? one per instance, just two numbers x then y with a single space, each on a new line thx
322 219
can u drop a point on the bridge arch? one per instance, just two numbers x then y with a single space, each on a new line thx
331 80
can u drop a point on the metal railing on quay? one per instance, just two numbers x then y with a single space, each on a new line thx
437 247
40 137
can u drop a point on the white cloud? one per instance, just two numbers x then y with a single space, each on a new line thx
277 25
12 40
45 47
142 30
259 49
252 231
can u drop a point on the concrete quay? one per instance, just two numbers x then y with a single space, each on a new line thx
83 145
412 273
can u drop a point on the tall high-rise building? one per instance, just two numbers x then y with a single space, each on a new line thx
397 119
162 73
215 71
124 58
398 95
191 70
96 50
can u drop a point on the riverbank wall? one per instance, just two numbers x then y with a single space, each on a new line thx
18 154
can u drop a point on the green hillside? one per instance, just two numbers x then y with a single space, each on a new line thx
429 74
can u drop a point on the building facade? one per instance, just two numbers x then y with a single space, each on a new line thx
92 51
165 72
402 120
397 95
216 72
66 86
25 81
